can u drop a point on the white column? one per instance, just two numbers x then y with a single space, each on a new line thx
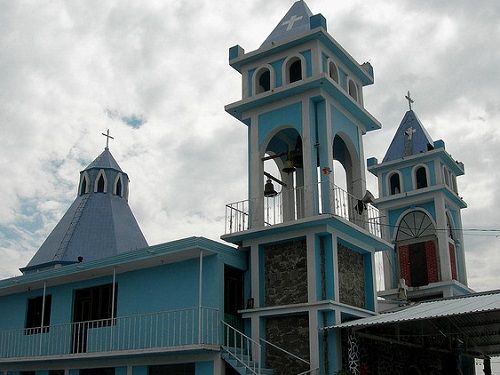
256 177
311 268
309 155
313 339
461 251
335 267
129 370
218 366
200 297
374 282
442 235
326 146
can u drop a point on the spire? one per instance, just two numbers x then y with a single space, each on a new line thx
97 225
411 138
295 22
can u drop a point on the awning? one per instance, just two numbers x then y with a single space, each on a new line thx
473 319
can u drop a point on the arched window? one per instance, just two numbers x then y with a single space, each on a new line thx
446 176
449 227
118 187
100 184
333 72
421 177
353 91
295 70
263 81
395 184
84 185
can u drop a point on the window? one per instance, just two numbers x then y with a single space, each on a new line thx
446 176
98 371
333 72
353 91
100 184
34 315
263 81
295 70
421 177
449 228
84 186
56 372
94 303
118 190
395 184
180 369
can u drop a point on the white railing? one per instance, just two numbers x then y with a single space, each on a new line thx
289 205
242 348
162 330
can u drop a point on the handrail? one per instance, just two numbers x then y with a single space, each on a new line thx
252 365
285 351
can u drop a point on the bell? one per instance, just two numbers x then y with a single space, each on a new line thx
289 168
269 189
296 155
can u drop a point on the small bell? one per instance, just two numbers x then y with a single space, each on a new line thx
288 168
269 189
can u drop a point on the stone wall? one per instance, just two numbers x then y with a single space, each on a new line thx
351 277
292 334
285 273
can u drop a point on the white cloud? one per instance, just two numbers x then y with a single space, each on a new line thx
65 64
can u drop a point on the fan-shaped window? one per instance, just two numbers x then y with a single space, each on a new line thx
100 184
333 72
415 224
353 91
395 184
421 177
118 188
295 70
263 81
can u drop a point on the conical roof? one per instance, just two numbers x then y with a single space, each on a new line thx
411 138
296 21
98 224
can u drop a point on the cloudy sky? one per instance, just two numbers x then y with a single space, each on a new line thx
156 74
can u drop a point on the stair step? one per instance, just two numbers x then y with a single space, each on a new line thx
242 370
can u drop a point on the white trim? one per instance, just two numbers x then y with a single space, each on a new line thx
388 183
115 185
286 65
256 76
85 176
349 80
101 173
330 61
414 176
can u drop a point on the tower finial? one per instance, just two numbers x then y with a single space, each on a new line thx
410 100
107 139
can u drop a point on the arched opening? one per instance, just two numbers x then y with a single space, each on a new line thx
417 251
333 71
283 177
394 184
263 80
118 186
294 70
84 186
421 177
100 184
353 91
452 246
446 175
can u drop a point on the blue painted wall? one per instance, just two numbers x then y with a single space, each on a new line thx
341 123
290 115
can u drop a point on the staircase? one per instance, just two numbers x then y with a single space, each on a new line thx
243 353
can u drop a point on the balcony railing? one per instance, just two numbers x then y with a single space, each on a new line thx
289 205
161 331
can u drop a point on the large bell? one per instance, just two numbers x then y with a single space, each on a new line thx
269 189
288 168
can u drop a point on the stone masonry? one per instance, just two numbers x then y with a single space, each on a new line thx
351 277
285 273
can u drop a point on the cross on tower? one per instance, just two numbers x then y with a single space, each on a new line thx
291 21
410 100
107 138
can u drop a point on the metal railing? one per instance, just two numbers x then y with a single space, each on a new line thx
162 330
289 205
242 348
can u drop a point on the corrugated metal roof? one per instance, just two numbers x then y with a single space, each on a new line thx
473 303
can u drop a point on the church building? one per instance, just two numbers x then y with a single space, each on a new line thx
292 291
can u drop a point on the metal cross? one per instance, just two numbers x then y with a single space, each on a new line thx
291 21
107 138
410 100
409 132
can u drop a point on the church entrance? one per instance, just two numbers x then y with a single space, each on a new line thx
233 297
418 264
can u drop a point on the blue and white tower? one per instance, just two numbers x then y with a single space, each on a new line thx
311 244
420 204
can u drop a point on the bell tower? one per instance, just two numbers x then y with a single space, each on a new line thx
311 243
421 209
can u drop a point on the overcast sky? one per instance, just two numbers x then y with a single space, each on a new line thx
156 74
